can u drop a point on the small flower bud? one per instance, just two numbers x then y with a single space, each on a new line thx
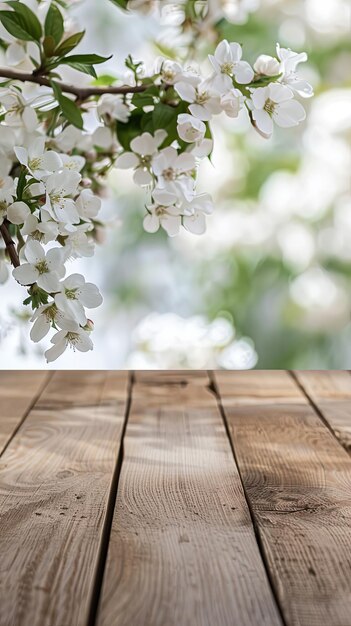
89 326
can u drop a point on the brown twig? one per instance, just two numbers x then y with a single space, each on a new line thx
82 93
10 244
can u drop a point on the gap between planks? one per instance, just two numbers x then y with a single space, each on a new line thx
329 393
182 548
298 480
15 407
215 390
110 507
55 484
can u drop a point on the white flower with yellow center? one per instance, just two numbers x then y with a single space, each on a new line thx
163 212
75 337
59 188
204 102
18 110
139 158
289 60
175 172
227 65
43 268
275 103
38 161
45 317
190 128
74 295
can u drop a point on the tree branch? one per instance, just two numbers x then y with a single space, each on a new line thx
82 93
10 244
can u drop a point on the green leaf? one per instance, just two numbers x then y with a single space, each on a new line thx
21 183
68 44
53 26
262 81
27 19
126 132
86 69
145 98
123 4
49 46
164 116
86 59
14 26
104 80
68 108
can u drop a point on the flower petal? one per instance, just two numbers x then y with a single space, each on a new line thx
171 224
40 328
53 353
126 161
289 114
151 223
18 212
25 274
142 177
263 121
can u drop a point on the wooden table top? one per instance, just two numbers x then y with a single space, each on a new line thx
175 498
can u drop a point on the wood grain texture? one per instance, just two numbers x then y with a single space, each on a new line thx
54 483
182 550
331 391
298 480
18 390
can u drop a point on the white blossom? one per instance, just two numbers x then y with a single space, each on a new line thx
7 187
72 162
39 162
59 188
88 204
175 171
232 102
43 268
190 128
163 212
74 337
74 295
289 61
275 103
172 72
43 230
195 212
18 110
266 65
227 64
204 101
143 149
113 107
17 212
78 242
45 317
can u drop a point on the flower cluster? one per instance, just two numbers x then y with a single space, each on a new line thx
166 162
53 170
45 205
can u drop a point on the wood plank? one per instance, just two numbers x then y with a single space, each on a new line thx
330 390
18 391
55 478
182 550
298 480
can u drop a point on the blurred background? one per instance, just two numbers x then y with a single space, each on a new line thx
269 284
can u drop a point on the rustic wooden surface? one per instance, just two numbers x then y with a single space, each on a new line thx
175 497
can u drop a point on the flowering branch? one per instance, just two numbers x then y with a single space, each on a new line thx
82 93
53 171
9 243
